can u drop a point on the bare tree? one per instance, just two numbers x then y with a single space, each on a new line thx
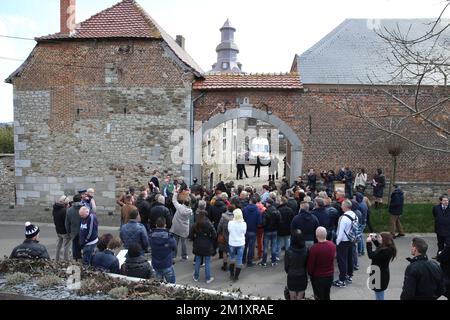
417 95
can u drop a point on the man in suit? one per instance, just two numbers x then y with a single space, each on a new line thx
441 213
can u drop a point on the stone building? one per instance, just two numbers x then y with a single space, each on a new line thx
104 103
98 106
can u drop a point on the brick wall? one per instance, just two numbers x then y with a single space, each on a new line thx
88 114
335 138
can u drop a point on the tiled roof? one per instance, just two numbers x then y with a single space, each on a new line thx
126 19
354 54
248 81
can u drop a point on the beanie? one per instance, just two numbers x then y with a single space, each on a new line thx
31 230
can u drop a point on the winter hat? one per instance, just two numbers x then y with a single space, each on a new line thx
31 230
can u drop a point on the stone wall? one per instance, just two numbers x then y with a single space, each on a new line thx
87 115
7 184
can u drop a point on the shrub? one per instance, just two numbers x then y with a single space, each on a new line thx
49 281
7 139
16 278
119 293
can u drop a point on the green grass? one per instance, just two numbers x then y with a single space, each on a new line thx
415 218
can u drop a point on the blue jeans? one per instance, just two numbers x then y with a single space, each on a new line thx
167 274
270 237
76 248
237 252
87 254
283 241
198 260
249 250
361 241
183 247
379 295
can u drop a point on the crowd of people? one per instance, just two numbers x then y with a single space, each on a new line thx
242 225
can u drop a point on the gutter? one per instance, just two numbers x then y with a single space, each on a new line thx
192 133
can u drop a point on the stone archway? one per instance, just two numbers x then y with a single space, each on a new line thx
248 111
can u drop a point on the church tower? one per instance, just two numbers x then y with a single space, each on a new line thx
227 51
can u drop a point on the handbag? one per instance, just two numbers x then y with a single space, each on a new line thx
221 239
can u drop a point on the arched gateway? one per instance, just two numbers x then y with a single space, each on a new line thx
249 111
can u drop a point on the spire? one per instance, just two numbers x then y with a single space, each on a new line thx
227 51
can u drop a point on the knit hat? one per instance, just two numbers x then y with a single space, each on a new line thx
31 230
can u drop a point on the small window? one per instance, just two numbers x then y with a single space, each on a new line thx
209 148
225 65
224 132
224 144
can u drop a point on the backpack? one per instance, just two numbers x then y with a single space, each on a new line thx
355 233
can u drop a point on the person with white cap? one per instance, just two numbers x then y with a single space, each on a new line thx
30 248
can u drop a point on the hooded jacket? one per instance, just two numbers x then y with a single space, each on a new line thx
163 245
396 205
286 216
295 266
137 267
307 223
215 211
252 217
59 218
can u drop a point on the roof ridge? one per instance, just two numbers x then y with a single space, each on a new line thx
174 46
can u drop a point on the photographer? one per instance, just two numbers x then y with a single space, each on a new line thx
385 252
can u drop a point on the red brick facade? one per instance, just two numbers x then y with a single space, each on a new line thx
332 138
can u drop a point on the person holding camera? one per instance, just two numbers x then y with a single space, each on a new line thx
384 253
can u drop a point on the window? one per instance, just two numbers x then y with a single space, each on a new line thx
224 132
225 65
224 144
209 148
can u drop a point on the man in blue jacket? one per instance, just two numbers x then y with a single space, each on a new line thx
88 234
134 232
163 246
252 218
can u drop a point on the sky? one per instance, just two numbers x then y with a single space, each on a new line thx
269 33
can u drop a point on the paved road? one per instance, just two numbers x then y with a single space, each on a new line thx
269 281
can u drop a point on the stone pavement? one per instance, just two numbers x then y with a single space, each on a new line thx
268 282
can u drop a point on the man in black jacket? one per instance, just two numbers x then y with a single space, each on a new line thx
423 277
72 223
444 260
144 208
441 214
271 222
30 248
396 210
160 210
59 219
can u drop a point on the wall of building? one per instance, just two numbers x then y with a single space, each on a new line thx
89 115
331 138
7 182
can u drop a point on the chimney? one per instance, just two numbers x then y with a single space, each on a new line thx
67 16
181 41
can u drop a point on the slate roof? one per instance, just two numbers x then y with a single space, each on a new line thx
126 19
213 81
354 54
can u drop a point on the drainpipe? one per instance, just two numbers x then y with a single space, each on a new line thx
192 136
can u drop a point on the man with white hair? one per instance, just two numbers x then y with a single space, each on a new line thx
321 265
344 245
160 210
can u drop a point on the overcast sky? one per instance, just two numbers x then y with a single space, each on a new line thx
269 32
